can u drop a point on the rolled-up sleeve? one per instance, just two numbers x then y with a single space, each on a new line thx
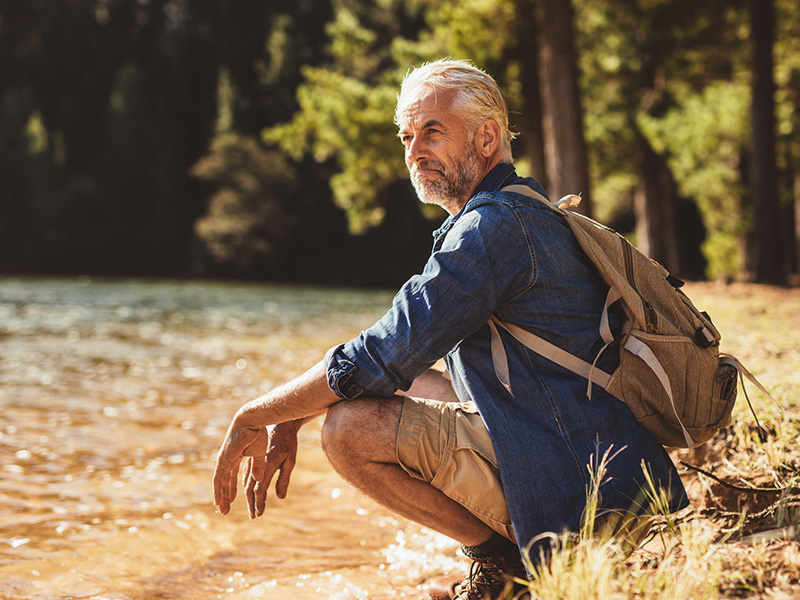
339 370
462 284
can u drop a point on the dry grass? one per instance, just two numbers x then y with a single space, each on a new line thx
739 538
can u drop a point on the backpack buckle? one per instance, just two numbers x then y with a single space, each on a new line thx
703 337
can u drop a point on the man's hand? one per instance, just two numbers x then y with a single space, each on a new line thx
290 405
240 442
281 456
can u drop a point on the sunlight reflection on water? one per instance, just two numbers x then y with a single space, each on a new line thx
115 395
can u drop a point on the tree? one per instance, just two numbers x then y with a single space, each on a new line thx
767 256
250 218
525 50
654 207
644 62
118 100
565 145
346 107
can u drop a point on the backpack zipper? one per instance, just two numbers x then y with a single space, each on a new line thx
651 317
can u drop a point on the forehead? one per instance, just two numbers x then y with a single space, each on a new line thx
426 104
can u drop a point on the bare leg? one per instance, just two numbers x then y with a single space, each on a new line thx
360 439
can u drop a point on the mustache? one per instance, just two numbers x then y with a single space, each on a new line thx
428 165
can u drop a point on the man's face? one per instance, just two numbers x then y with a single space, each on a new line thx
439 150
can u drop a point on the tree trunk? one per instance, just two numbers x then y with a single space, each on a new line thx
767 263
797 226
527 53
653 207
565 145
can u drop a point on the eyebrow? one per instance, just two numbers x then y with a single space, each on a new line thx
428 123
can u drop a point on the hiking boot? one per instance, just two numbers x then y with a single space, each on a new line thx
491 579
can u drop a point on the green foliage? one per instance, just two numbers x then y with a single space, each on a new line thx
343 118
655 69
606 35
346 109
116 100
462 29
705 135
250 217
787 78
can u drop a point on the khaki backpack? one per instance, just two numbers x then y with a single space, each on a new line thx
671 374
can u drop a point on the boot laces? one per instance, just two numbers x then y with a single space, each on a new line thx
485 577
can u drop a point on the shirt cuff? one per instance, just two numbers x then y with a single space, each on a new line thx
339 371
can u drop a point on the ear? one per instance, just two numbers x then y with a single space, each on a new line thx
487 138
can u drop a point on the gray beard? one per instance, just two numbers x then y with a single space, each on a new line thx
452 187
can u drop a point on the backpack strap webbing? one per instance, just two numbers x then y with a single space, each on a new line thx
588 371
744 373
563 358
544 348
525 191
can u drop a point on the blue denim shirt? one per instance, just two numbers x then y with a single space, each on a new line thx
508 255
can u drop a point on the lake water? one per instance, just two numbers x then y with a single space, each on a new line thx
115 396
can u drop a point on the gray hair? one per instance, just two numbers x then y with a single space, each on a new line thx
477 95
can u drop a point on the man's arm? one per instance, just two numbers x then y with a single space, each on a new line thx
304 397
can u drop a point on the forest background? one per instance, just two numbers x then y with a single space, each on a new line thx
255 139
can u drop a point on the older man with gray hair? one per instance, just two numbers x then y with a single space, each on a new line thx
458 452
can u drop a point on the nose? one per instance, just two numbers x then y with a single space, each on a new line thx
415 150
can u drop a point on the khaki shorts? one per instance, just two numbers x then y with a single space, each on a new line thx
447 444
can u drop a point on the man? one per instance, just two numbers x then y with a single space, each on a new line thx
465 457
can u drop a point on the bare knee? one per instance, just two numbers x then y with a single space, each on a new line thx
337 427
361 430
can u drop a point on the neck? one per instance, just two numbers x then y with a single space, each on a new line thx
455 206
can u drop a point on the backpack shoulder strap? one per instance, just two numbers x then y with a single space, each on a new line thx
525 191
567 201
543 348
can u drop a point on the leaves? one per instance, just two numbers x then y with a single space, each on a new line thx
250 216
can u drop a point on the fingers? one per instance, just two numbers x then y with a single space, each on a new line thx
263 457
247 471
255 486
261 475
258 475
284 438
258 469
239 443
282 485
255 489
260 497
224 483
249 484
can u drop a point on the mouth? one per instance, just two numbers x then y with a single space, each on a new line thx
417 171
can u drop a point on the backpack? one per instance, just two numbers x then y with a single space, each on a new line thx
671 374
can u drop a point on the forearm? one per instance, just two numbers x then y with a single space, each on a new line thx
298 401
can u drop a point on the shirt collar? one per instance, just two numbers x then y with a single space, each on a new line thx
500 176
